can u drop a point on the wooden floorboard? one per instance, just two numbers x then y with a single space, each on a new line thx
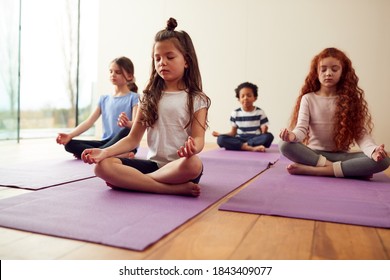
277 238
347 242
213 234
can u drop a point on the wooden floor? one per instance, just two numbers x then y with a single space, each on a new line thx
213 234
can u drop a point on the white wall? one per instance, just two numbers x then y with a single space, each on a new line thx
269 43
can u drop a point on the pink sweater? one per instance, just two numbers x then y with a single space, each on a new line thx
316 115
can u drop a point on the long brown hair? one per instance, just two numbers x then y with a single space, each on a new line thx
352 118
192 79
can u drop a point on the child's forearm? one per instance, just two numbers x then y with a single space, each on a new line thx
81 128
199 144
122 146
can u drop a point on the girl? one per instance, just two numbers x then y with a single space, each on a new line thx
117 110
173 111
329 116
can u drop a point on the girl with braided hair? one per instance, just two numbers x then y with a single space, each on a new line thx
330 116
173 112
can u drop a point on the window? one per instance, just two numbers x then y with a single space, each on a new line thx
9 68
58 42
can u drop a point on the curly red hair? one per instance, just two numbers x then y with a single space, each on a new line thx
352 118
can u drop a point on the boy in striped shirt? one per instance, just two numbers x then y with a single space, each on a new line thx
249 130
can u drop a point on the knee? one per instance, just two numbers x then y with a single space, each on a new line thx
284 147
269 139
384 164
103 168
192 167
221 140
69 147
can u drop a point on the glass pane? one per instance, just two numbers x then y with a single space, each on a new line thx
49 54
88 60
9 67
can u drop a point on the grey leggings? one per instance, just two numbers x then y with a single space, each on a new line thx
345 164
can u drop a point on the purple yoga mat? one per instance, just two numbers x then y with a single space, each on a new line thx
42 174
340 200
88 210
271 155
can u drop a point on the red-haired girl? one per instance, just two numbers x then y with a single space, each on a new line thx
330 116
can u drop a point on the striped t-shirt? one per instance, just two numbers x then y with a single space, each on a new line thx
248 122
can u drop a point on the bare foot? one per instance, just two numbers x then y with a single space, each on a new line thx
186 189
301 169
246 147
260 148
131 155
127 155
195 191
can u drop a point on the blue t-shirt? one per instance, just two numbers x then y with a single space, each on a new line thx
110 107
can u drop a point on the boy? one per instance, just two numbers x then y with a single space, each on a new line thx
249 124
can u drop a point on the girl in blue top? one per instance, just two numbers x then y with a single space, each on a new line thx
117 111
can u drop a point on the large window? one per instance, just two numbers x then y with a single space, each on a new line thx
9 68
57 66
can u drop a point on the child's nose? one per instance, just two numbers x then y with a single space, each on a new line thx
163 61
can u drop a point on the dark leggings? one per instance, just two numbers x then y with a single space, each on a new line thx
352 164
235 143
76 147
148 166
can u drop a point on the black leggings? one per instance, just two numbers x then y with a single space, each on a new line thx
76 147
148 166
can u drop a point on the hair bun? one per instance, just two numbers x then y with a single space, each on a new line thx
171 24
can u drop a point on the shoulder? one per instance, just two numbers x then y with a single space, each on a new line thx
201 100
200 96
308 96
236 111
103 98
258 109
133 96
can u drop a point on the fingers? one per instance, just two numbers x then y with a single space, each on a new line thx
62 139
87 157
123 119
287 135
284 134
380 153
188 150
